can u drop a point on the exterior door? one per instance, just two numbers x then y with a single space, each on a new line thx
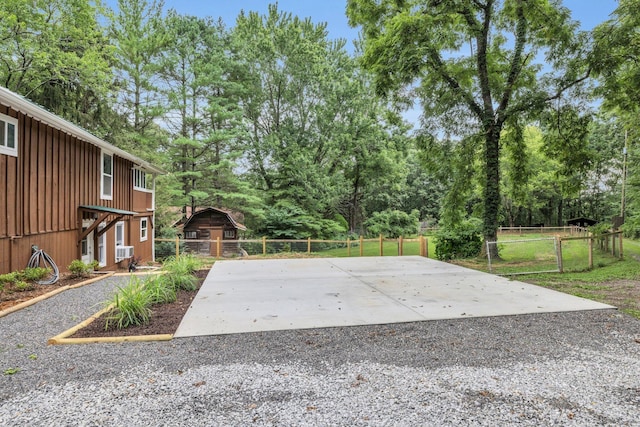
86 245
215 234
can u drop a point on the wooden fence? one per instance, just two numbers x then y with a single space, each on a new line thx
354 247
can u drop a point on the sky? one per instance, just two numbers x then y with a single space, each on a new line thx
588 12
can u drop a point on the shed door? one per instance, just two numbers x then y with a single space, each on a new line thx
215 234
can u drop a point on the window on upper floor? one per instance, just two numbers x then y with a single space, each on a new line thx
106 183
8 135
140 181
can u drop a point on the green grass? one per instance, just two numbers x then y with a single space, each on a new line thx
372 248
131 306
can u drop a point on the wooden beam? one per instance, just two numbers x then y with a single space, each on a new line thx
92 227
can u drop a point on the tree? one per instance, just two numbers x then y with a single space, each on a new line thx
472 64
55 53
138 38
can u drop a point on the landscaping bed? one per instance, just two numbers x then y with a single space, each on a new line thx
165 318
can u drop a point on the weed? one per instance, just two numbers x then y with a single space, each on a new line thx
11 371
19 345
33 356
131 306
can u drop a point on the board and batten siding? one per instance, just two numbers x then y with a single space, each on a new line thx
42 187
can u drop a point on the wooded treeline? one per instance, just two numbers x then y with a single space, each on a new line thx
524 116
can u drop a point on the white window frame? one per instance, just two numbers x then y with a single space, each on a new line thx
119 236
140 180
103 175
144 229
190 234
229 234
102 247
5 123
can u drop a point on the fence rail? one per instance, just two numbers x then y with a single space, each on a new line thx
220 248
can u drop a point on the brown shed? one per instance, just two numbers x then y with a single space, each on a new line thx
207 226
68 192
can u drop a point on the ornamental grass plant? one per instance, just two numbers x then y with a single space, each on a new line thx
131 306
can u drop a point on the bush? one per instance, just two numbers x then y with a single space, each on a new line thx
79 268
393 223
33 274
131 306
461 241
180 271
21 285
631 228
8 278
160 290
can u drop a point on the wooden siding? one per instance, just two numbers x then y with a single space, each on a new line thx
41 189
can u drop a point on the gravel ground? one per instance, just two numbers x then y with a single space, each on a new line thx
580 368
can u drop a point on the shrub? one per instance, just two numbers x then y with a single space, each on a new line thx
393 223
160 290
21 285
631 228
33 274
8 278
131 306
79 268
461 241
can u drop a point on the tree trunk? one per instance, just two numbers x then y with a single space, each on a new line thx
492 188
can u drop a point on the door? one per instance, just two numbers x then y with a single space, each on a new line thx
86 245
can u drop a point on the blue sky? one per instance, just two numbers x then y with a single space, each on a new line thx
588 12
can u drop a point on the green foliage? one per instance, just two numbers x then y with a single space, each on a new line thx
600 228
33 274
180 271
79 268
461 241
160 289
21 285
8 277
393 223
131 306
630 228
11 371
286 221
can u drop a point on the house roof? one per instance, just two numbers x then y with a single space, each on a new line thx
222 211
23 105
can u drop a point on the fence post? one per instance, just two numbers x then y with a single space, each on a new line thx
264 245
361 245
421 243
381 246
348 247
218 253
591 253
620 237
308 245
177 246
400 249
426 248
559 254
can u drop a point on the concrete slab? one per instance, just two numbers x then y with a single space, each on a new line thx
263 295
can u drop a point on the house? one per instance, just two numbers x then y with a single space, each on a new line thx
582 222
209 226
68 192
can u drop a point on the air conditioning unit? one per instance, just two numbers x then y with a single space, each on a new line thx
123 252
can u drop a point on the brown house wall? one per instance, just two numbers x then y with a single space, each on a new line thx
41 189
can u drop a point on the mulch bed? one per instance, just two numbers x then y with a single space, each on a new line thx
165 318
10 295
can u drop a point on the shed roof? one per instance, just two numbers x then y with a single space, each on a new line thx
222 211
23 105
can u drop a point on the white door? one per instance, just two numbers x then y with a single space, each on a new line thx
86 245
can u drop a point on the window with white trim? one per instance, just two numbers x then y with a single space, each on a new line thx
102 247
106 183
229 234
144 229
120 233
139 179
190 234
8 135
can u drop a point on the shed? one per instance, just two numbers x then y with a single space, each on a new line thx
208 225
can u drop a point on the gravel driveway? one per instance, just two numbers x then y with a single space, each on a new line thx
578 368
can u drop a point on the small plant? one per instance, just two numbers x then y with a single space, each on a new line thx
131 306
160 290
8 278
79 268
11 371
95 265
33 356
33 274
22 286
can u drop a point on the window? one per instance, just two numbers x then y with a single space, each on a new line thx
139 179
190 234
144 229
84 244
107 176
120 233
229 234
8 135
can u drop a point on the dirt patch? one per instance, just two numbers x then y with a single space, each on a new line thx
11 295
165 318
